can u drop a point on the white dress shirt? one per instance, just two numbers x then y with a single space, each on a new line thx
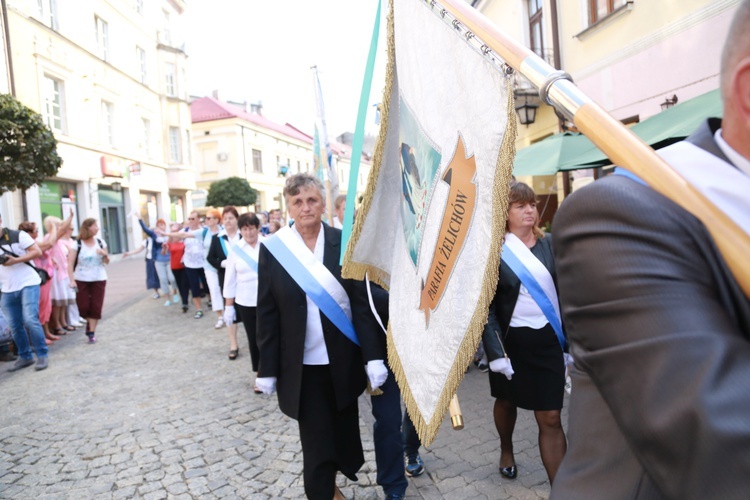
316 352
240 280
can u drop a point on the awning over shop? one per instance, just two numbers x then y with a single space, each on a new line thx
546 156
667 127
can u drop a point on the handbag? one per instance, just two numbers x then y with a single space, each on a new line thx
43 275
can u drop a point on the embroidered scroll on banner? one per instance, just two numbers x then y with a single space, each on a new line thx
432 219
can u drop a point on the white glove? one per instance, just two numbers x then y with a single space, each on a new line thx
568 359
267 385
224 264
229 315
502 365
377 373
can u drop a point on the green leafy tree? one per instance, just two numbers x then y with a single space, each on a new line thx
231 191
28 149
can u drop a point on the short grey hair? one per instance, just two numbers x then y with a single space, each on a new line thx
296 182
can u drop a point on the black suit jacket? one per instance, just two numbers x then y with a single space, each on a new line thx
506 296
660 333
216 255
282 317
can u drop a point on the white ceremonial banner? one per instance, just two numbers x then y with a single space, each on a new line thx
432 219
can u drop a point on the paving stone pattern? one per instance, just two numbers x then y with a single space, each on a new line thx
155 410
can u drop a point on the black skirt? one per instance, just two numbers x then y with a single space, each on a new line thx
538 381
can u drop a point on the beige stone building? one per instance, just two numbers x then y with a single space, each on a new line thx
236 140
108 76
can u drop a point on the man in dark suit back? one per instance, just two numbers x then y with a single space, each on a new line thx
318 370
659 327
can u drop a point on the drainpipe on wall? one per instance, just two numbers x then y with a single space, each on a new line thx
9 56
558 65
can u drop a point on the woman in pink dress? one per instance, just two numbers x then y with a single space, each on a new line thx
43 262
61 293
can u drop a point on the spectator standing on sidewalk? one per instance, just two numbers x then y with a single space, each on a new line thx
71 313
61 294
175 248
44 261
193 258
19 296
160 259
86 265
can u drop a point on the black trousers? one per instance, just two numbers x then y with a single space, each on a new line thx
330 438
248 317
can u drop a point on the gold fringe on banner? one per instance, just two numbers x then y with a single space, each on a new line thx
357 270
503 174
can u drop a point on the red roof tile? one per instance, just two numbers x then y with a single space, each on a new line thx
208 109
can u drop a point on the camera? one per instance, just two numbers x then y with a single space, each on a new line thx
3 259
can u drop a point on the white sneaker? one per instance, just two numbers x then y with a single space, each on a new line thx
219 323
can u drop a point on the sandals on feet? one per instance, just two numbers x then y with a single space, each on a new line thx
233 353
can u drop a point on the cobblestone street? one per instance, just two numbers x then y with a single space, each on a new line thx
155 410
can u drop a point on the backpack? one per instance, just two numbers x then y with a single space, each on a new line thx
78 249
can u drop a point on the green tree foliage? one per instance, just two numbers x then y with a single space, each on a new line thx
231 191
28 149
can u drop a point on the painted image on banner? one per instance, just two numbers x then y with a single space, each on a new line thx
419 162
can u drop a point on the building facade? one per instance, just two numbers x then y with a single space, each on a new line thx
108 76
236 140
633 57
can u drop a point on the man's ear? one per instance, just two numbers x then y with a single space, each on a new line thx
740 90
736 122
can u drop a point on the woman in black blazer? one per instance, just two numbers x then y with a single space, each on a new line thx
221 246
527 365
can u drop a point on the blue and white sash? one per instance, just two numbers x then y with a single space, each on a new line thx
537 280
224 244
241 253
314 278
724 185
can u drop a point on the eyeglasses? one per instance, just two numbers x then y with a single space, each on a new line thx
191 218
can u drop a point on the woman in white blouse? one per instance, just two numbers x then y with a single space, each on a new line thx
241 283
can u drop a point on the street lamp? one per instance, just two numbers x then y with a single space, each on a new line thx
527 102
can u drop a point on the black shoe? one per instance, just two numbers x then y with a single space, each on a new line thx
509 472
21 363
184 309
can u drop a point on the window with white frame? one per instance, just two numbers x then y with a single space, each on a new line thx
140 55
169 79
175 155
187 147
166 28
146 123
52 95
107 126
257 161
599 9
102 37
48 12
